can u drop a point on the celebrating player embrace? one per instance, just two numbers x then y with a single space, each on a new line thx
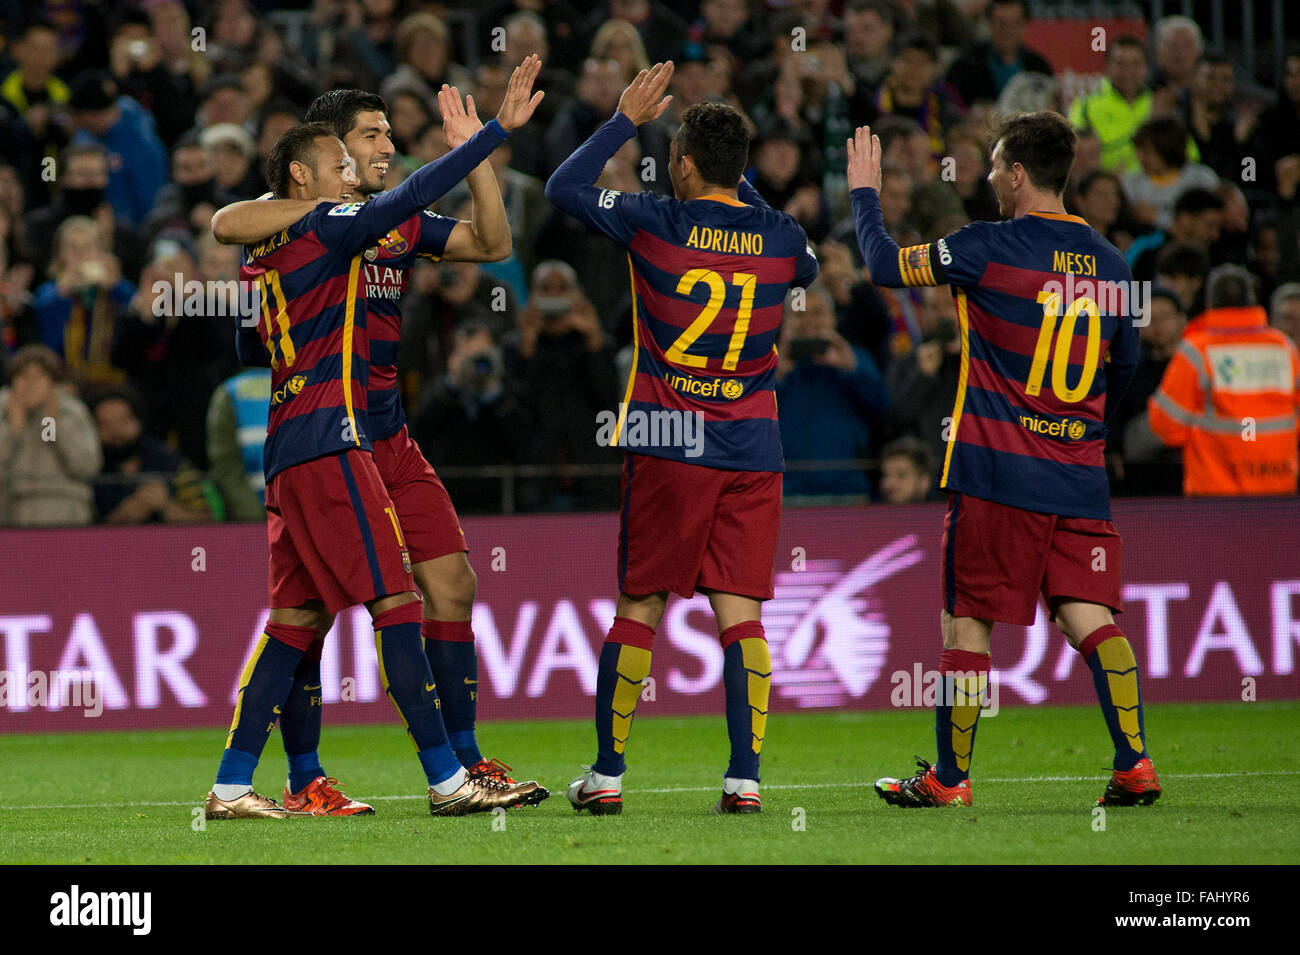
1047 347
710 272
337 538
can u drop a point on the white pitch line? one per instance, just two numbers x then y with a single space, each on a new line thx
706 789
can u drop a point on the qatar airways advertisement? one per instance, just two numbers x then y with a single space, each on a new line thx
140 628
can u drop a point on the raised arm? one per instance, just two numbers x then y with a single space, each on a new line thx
352 228
879 250
572 186
486 236
252 220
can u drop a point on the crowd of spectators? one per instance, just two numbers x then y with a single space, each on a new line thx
123 127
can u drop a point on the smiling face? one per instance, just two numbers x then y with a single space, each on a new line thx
335 173
369 144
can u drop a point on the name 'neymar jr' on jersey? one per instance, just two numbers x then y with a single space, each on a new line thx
313 308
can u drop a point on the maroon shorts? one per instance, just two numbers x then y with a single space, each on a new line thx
334 534
429 521
996 560
684 528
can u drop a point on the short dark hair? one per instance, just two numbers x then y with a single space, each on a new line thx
1195 201
1182 258
1127 40
1043 143
1229 286
41 356
276 107
914 449
715 136
31 26
917 40
1168 137
1170 296
881 8
296 144
339 108
1022 4
97 396
74 150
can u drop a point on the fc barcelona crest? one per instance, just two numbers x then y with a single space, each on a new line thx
394 243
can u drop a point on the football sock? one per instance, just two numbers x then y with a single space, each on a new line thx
624 664
300 722
405 674
1115 676
449 647
264 683
747 679
965 677
229 791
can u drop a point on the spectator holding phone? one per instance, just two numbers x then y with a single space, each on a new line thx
566 366
827 391
48 447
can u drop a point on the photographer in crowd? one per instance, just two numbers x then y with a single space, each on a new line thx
821 378
566 366
48 447
472 416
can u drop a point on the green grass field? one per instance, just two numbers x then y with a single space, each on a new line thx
1231 774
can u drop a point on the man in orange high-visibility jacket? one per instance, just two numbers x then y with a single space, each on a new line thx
1230 396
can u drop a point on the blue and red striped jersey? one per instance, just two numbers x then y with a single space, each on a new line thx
709 280
386 276
1044 307
313 290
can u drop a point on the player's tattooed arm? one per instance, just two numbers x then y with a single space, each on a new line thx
252 220
486 236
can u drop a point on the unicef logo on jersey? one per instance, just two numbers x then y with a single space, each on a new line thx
292 387
826 629
732 389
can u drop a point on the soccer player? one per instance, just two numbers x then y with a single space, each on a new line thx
1047 350
335 537
432 530
710 272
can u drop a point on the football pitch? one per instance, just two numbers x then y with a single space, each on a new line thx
1231 774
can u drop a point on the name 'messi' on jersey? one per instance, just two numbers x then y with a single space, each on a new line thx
1045 310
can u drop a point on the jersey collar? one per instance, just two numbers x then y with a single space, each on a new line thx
719 197
1059 216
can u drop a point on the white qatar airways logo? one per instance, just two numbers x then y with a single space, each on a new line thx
828 636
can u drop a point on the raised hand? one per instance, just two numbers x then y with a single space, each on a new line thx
644 99
520 101
864 159
459 120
